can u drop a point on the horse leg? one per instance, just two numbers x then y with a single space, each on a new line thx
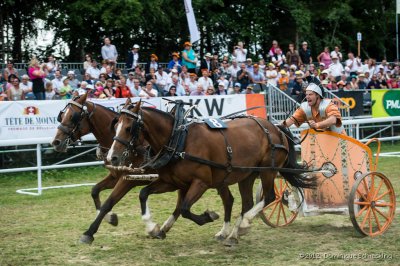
107 183
121 188
196 190
167 225
227 200
267 179
156 187
246 193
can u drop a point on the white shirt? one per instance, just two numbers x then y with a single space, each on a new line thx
205 82
336 70
270 79
57 84
192 86
240 55
143 94
339 54
162 79
233 71
109 52
26 87
94 72
356 64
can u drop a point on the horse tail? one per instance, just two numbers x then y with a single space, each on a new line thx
295 179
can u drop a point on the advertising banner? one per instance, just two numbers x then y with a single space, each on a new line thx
385 102
22 121
354 99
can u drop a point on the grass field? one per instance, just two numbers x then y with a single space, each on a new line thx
45 230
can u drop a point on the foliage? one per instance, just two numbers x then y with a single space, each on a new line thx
160 26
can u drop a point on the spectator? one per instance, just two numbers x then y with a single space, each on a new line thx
99 90
153 63
370 67
381 79
88 62
236 89
198 91
273 50
49 92
240 53
283 81
175 63
206 62
341 85
73 82
337 52
171 91
233 70
293 57
189 58
271 74
204 80
110 73
180 91
261 65
136 88
10 70
88 79
133 57
93 71
151 76
15 93
103 68
374 83
37 73
214 63
109 90
65 91
361 82
57 81
243 77
26 85
192 84
131 80
210 91
336 68
224 70
298 91
109 51
81 90
162 79
139 75
51 65
305 54
249 65
185 75
353 63
248 90
148 91
393 84
221 89
102 79
325 57
258 79
279 58
122 91
353 83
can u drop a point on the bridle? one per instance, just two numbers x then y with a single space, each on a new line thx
76 120
136 127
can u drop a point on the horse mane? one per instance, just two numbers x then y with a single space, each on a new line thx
105 108
165 114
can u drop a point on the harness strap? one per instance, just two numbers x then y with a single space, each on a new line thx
228 153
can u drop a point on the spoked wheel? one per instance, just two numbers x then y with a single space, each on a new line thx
278 213
372 204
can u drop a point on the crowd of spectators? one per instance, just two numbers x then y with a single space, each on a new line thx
187 74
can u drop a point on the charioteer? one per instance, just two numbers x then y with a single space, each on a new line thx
319 113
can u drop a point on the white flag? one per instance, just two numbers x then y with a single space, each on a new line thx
194 31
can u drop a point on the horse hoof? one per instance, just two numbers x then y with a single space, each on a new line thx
220 237
230 242
113 219
155 232
85 239
213 215
161 235
243 230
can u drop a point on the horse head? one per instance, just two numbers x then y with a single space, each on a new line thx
128 133
74 123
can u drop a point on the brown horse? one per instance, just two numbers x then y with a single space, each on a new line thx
80 118
211 159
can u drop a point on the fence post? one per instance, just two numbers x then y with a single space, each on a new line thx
39 168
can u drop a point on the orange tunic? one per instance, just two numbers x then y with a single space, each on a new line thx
299 116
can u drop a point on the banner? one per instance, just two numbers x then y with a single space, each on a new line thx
31 122
385 102
194 31
354 99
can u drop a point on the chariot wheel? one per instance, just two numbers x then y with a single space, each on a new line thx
284 209
372 204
